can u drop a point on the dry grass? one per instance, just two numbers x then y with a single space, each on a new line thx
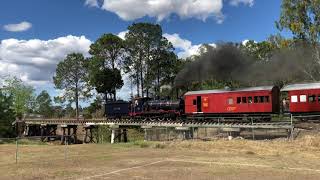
219 159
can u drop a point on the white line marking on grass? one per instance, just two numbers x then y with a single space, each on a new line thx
199 162
243 164
120 170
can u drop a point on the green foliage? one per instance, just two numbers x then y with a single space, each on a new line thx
110 49
150 56
44 104
164 66
302 18
72 77
58 112
259 50
107 54
69 111
142 144
7 116
95 109
102 134
22 96
104 79
279 42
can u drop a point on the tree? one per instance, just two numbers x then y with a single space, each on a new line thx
302 18
72 77
95 109
162 65
6 116
44 104
262 51
108 50
146 47
104 79
22 96
58 111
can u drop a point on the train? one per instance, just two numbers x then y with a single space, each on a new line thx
255 103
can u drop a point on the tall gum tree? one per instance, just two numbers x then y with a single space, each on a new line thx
302 18
22 95
108 53
146 47
72 77
6 116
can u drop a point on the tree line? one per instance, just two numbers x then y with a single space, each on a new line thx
144 55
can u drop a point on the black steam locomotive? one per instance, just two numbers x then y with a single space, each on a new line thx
145 107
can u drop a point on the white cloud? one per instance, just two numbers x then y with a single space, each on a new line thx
177 41
244 42
35 60
91 3
122 34
161 9
134 9
184 46
23 26
245 2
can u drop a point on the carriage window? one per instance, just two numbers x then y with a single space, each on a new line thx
244 100
303 98
250 100
312 98
261 99
294 99
266 99
194 102
255 100
318 98
230 101
238 100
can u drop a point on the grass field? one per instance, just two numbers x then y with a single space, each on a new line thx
219 159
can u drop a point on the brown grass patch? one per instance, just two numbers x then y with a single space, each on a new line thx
223 159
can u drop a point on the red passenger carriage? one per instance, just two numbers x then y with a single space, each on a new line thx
302 98
246 101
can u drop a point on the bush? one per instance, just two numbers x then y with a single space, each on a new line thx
160 146
142 144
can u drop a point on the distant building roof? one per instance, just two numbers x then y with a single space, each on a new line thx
293 87
216 91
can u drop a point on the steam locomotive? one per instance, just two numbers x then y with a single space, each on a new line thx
254 102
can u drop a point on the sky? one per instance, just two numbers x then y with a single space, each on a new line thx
35 35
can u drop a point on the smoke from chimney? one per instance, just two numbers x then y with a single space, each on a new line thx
228 62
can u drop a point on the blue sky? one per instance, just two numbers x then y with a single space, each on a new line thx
36 34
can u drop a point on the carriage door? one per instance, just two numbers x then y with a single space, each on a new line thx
199 103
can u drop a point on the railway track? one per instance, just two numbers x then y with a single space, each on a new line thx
161 123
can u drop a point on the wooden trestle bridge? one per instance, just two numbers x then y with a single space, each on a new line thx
48 127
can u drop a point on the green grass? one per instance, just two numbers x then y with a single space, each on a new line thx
22 141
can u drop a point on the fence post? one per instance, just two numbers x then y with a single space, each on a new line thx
192 133
112 136
17 151
292 128
145 134
167 133
253 138
65 148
